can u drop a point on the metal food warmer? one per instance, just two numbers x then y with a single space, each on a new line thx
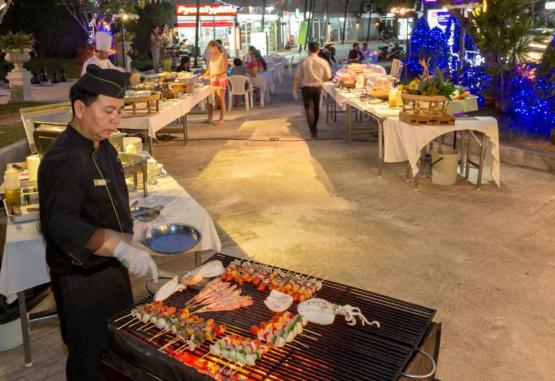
43 125
332 352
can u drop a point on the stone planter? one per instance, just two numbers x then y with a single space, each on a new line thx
18 57
19 77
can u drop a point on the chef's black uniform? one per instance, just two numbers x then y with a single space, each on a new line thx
81 190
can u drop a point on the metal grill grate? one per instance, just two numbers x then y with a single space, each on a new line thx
341 353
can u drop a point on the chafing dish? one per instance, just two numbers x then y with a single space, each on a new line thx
132 165
43 124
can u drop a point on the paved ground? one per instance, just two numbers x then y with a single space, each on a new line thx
484 259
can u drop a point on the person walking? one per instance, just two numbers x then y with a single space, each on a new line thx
311 73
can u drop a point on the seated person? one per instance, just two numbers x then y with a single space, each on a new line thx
185 64
238 68
257 64
353 57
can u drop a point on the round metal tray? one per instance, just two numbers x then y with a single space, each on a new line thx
169 239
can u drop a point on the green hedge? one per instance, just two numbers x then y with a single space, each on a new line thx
72 67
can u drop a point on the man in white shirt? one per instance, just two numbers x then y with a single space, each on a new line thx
311 73
101 53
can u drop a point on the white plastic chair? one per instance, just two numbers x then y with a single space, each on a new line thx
240 85
290 65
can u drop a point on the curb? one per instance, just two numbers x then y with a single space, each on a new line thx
522 157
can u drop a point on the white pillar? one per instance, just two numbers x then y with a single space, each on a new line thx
20 85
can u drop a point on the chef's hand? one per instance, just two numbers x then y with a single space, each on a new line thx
137 261
141 231
295 94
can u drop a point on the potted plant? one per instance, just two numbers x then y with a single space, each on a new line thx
17 47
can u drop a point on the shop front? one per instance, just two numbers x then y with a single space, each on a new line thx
239 27
217 22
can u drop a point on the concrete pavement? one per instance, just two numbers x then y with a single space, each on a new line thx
484 259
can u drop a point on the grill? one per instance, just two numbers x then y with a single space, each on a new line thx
323 353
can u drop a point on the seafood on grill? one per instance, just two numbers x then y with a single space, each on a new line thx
168 289
208 270
278 301
320 311
241 349
219 296
191 329
300 287
281 329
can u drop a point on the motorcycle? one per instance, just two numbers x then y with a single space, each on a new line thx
397 52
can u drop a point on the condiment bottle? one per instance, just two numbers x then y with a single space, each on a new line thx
11 187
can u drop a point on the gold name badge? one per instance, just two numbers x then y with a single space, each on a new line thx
100 182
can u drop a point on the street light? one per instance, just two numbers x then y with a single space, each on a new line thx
124 17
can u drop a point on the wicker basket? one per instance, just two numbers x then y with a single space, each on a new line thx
423 109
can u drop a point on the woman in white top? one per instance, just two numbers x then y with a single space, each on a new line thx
217 75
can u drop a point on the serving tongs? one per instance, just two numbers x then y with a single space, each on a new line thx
148 212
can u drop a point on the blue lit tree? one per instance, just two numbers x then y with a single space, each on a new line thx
532 95
419 46
438 50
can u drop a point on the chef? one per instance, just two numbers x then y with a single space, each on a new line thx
86 221
102 52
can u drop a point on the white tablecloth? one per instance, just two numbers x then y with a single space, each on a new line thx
404 142
170 110
24 261
343 97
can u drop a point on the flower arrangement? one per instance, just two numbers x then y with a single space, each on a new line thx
16 41
432 85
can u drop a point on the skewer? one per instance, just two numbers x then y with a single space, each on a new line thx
309 331
297 348
158 334
237 368
129 322
168 344
146 325
309 337
121 318
137 322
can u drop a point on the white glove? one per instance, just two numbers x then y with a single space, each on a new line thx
141 231
137 261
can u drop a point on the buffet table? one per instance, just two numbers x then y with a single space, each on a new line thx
170 110
24 261
404 142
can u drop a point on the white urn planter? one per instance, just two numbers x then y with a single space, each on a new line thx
19 77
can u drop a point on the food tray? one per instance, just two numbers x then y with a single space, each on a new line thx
27 217
169 239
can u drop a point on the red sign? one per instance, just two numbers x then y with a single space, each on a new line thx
205 24
206 10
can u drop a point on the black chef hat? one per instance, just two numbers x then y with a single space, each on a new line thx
109 82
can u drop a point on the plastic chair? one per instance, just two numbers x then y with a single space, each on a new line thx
240 85
290 65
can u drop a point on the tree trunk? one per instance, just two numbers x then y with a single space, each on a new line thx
5 10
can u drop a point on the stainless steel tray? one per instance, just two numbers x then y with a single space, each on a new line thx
170 239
